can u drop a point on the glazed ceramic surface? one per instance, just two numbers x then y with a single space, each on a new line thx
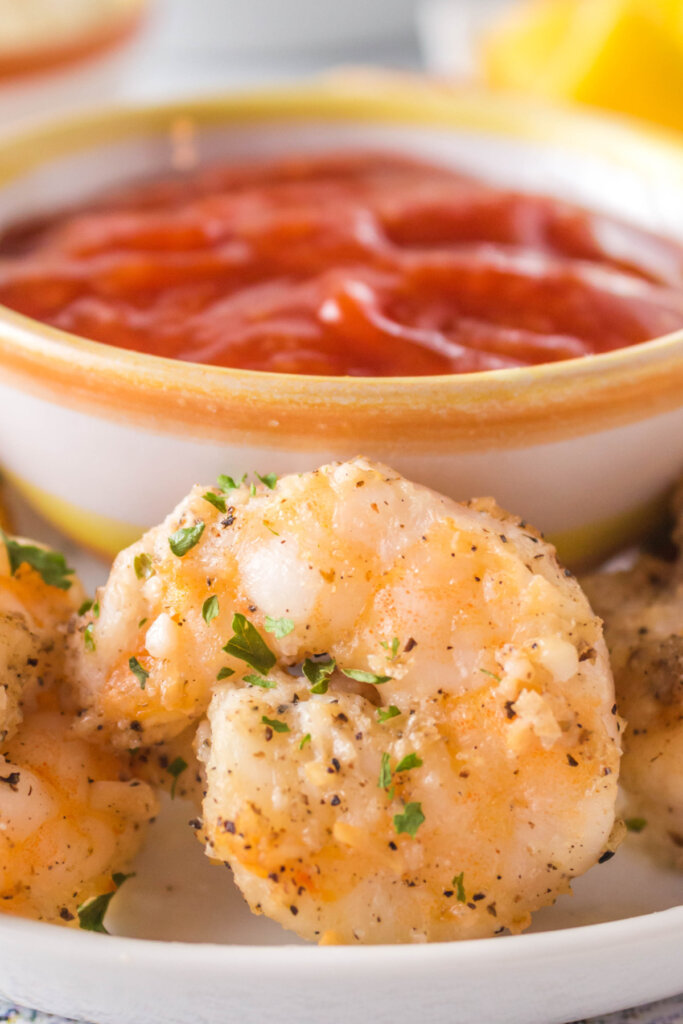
617 942
104 442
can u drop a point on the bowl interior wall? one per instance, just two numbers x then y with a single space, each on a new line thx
610 186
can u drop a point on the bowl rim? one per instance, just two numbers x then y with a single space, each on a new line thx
511 406
620 931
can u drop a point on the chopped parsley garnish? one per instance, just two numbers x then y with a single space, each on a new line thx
216 500
410 820
225 673
143 566
384 714
459 886
408 762
392 648
50 565
365 677
492 674
85 607
88 638
184 540
248 645
142 622
176 768
318 673
210 609
635 824
270 479
252 489
96 609
275 724
279 627
226 483
258 680
305 740
384 780
138 671
91 913
404 765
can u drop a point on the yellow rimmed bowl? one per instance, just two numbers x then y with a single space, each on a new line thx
104 441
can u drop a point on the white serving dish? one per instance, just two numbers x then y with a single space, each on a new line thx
616 943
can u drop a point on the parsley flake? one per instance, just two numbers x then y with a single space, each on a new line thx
248 645
305 740
226 483
492 674
138 671
88 638
184 540
50 565
318 673
85 607
365 677
91 913
216 500
210 609
176 768
384 714
384 780
275 724
143 566
279 627
96 609
270 479
408 762
391 648
459 886
259 680
635 824
410 820
225 673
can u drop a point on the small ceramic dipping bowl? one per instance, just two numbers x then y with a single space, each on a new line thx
104 441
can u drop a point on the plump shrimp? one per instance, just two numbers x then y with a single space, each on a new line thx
70 813
643 613
33 619
411 731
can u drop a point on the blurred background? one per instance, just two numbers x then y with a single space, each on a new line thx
58 55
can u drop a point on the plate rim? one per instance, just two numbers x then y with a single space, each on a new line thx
543 944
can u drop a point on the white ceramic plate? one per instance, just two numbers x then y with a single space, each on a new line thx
187 950
615 943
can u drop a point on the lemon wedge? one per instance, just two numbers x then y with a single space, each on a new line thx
624 55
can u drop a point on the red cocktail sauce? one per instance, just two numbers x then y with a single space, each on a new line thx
366 264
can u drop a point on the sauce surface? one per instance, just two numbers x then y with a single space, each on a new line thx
366 264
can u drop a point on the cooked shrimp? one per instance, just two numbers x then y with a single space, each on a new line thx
643 613
70 813
423 744
33 618
171 767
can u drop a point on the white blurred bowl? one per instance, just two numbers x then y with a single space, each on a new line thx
234 26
